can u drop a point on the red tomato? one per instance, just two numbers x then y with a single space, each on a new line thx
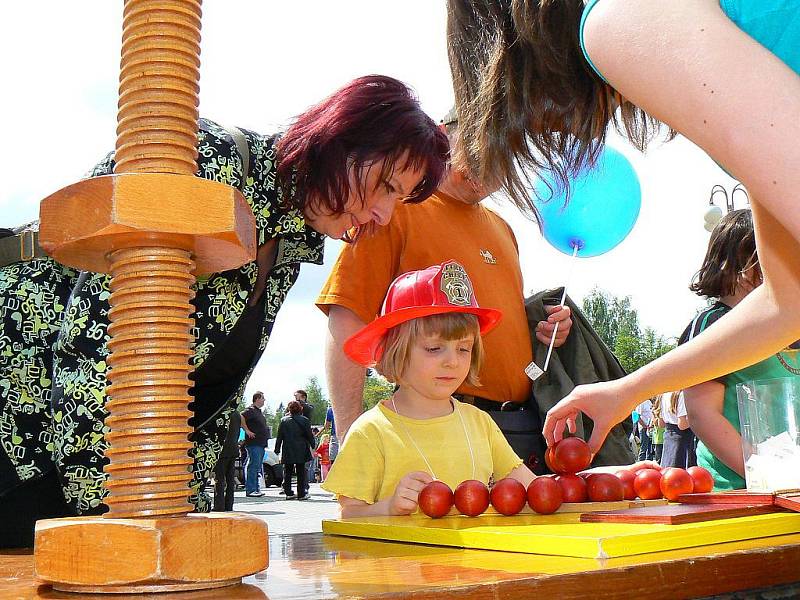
471 497
648 484
605 487
627 477
508 496
544 495
702 479
675 482
436 499
573 488
571 455
549 460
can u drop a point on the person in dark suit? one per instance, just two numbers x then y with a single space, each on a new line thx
294 444
308 410
224 472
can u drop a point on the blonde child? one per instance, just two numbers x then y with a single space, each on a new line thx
323 453
427 341
657 429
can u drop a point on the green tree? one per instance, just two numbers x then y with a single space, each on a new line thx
611 316
376 389
317 399
617 324
270 418
280 412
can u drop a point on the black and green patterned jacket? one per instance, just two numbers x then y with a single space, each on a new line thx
53 338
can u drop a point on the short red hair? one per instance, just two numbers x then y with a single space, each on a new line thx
370 119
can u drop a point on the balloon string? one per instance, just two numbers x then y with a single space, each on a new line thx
563 298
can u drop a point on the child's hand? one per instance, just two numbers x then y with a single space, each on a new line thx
404 500
634 468
638 466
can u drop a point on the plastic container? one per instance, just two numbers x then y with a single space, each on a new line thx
769 415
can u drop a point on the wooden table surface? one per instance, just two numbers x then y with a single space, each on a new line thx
317 566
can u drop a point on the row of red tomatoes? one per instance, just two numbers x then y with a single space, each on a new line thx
546 494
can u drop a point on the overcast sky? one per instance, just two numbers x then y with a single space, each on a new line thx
264 62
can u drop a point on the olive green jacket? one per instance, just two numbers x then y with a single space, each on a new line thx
584 358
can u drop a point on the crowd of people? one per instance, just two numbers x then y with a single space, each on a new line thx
303 450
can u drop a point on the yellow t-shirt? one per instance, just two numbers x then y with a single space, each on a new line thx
377 452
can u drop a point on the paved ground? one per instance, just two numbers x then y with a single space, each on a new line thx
290 516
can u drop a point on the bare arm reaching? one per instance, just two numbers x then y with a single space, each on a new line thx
710 81
345 378
704 404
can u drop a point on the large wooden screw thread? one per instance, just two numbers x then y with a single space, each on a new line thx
151 341
153 225
150 345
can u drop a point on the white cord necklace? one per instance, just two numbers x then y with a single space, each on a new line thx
463 427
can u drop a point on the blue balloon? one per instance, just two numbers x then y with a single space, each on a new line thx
603 206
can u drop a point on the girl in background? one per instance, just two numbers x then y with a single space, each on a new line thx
323 454
657 429
678 448
729 273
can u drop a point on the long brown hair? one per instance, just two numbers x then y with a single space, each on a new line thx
526 97
731 255
673 402
656 408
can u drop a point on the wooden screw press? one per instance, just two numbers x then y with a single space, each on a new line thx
153 225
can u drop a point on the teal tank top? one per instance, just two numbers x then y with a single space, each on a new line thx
775 24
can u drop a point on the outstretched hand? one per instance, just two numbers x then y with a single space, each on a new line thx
603 402
404 499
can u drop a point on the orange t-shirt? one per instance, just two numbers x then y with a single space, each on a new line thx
425 234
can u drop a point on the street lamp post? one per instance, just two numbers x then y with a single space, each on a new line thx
714 213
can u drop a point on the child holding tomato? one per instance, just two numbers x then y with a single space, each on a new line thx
730 271
427 341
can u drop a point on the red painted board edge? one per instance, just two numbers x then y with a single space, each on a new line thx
637 515
789 501
730 497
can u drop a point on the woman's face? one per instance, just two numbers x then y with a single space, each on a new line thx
380 196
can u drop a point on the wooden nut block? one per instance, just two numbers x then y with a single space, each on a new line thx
83 222
94 554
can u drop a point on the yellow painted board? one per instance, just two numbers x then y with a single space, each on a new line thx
561 534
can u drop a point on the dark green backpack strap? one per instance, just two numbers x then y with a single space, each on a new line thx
243 148
19 247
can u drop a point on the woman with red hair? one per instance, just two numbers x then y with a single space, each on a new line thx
341 167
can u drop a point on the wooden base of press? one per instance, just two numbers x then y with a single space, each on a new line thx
196 551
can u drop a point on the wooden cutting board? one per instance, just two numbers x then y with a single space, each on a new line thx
789 500
676 514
